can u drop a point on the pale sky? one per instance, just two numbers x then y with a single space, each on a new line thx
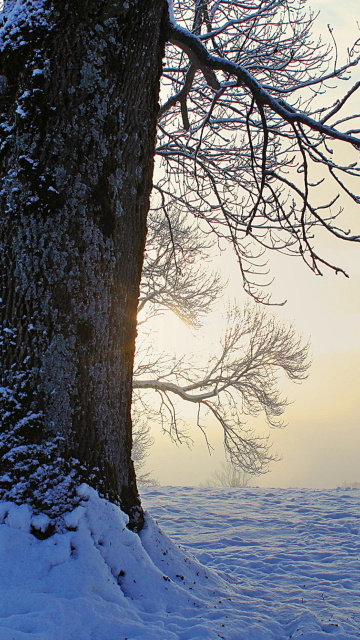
320 447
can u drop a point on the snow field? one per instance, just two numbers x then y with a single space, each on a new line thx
293 555
270 565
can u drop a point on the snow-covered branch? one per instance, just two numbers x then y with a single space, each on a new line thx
200 56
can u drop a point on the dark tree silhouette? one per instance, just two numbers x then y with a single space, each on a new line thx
78 135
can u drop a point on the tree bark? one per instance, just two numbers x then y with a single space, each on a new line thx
79 100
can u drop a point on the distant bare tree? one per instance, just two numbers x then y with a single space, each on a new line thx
228 476
349 485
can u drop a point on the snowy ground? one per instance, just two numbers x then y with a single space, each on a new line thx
292 555
272 564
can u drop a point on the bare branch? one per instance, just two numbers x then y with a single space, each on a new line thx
241 381
245 160
193 47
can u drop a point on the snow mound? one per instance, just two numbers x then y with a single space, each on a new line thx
280 564
97 580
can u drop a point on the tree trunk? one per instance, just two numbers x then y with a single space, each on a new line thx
79 99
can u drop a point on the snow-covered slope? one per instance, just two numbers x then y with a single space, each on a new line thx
275 564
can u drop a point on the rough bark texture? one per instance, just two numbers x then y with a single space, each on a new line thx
79 92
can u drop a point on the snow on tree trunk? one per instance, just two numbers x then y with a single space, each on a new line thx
79 86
